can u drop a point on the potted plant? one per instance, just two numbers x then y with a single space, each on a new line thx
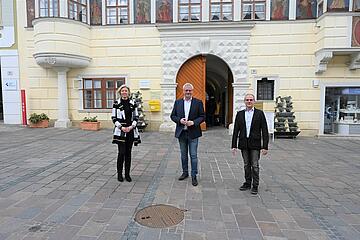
90 123
39 120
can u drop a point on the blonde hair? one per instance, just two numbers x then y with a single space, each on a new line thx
121 87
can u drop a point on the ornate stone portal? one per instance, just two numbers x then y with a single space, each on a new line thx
228 41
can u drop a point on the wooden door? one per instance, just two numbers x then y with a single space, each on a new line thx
193 71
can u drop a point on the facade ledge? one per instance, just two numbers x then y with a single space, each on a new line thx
51 60
185 30
59 19
323 57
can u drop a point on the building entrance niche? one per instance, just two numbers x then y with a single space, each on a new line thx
212 80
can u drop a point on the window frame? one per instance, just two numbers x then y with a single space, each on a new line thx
117 7
48 9
269 79
103 91
78 3
252 3
221 4
189 4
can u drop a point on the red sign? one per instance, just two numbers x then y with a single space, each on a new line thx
23 107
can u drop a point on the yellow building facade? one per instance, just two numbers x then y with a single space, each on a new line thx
75 53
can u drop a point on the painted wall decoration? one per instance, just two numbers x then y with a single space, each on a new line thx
338 5
164 11
95 12
356 5
30 10
279 10
305 9
355 36
142 11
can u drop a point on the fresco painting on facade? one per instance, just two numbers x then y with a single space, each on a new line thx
305 9
338 5
164 11
30 9
356 5
95 12
355 40
142 11
279 9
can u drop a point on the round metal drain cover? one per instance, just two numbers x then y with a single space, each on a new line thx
159 216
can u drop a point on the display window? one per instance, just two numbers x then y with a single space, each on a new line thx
342 110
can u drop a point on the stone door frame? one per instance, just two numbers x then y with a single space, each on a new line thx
228 41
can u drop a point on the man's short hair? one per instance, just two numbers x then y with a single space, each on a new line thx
188 84
249 94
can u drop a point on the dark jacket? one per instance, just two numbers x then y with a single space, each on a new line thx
196 114
258 130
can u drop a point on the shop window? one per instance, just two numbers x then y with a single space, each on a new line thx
265 89
117 11
356 5
189 10
78 10
306 9
221 10
142 11
49 8
279 10
100 93
253 10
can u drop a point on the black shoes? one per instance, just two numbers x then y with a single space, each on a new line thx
183 176
120 178
128 178
254 190
194 181
244 187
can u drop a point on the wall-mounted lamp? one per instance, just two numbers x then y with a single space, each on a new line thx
315 83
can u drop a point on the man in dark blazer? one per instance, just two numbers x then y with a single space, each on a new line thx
188 113
249 128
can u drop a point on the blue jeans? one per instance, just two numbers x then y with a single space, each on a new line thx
188 145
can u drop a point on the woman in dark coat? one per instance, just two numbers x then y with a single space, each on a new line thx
124 116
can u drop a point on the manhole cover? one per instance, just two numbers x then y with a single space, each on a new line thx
159 216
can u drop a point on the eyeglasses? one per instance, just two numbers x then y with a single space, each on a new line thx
249 100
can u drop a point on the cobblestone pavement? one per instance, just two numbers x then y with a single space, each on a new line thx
61 184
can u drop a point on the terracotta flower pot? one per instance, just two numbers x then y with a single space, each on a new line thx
91 126
41 124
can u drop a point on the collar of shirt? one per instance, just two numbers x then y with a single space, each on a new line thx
251 110
187 100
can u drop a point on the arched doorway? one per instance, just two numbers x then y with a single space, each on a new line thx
212 80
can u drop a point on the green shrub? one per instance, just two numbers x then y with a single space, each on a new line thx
35 118
90 119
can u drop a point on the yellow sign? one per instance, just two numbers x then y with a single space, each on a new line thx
154 105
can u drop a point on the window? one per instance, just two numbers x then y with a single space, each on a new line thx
49 8
265 89
320 8
117 11
189 10
221 10
30 9
78 10
100 93
253 10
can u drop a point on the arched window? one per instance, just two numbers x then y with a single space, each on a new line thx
189 10
253 9
78 10
117 11
221 10
49 8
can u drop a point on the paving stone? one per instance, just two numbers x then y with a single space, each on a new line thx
79 218
270 229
